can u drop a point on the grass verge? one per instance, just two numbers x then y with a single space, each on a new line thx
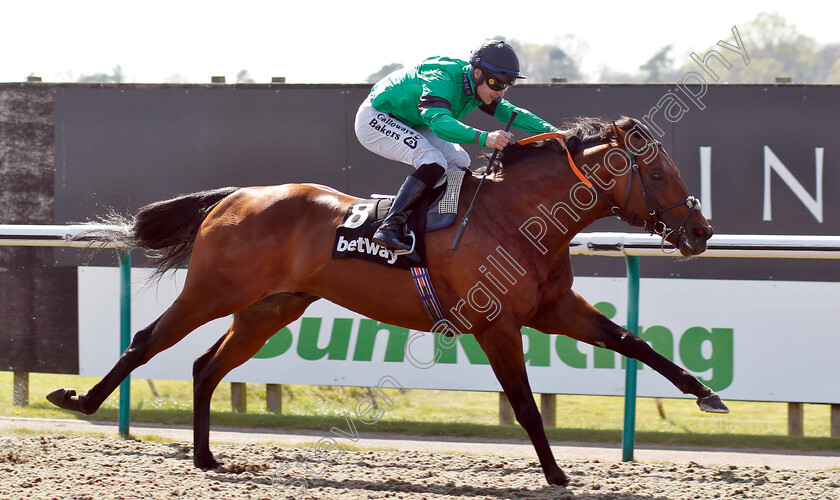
596 419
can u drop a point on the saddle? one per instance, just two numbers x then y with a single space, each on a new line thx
436 210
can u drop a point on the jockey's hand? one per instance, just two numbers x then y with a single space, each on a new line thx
562 138
498 139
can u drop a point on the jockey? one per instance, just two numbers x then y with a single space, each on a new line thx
413 116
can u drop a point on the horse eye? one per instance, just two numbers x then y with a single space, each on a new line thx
656 175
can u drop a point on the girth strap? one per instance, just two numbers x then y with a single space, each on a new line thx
429 296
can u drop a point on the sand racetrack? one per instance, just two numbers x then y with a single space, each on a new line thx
55 466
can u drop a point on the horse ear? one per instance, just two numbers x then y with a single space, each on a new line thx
632 139
619 134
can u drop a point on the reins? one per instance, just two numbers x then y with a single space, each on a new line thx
558 135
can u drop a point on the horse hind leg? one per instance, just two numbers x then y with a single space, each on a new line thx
172 326
250 329
88 403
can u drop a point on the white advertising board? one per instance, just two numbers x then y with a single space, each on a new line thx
748 340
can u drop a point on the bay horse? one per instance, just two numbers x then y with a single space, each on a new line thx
263 254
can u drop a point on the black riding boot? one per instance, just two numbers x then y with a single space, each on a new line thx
389 233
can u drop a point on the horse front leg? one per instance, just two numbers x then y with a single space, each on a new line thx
503 347
576 318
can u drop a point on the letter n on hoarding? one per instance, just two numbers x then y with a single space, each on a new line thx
813 204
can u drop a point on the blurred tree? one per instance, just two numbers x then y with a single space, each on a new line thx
661 68
176 78
383 72
834 73
607 75
116 77
775 49
775 40
244 77
538 62
828 64
542 62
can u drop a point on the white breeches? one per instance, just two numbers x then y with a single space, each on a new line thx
389 137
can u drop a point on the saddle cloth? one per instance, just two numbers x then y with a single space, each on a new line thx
435 211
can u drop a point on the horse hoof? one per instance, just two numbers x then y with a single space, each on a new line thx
206 463
712 404
557 478
64 398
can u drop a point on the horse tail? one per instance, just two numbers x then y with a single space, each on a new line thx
166 229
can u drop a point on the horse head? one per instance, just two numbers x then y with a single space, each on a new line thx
643 186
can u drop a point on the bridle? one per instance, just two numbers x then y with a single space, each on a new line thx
655 211
657 225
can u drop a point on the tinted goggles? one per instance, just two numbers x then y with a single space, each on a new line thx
499 82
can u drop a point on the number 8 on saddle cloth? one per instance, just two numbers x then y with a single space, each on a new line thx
353 237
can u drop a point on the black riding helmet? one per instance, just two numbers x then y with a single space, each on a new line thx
498 64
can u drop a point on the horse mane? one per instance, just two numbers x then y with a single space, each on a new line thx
582 133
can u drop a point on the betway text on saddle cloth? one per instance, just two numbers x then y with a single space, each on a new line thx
365 245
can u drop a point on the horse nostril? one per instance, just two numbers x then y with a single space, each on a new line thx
702 232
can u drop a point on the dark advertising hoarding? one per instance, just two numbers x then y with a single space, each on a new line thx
761 158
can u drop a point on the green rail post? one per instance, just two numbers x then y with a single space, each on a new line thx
125 335
628 435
